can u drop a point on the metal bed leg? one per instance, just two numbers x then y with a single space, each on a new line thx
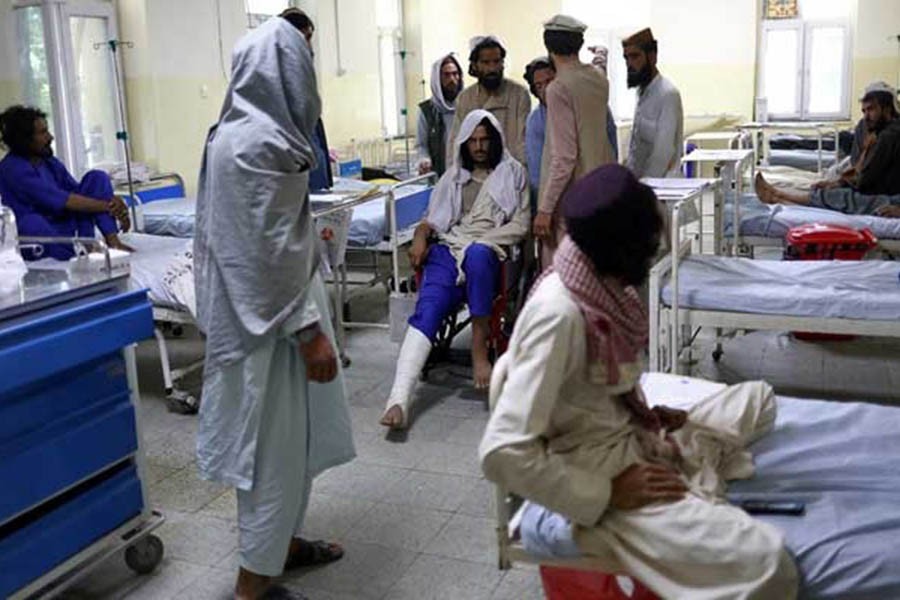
177 401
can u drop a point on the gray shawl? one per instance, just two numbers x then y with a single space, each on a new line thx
255 246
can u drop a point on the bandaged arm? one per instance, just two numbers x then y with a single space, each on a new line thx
521 461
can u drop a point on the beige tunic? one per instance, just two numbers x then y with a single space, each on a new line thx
558 436
576 139
486 224
510 104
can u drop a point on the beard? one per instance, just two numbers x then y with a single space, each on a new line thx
450 94
640 78
491 81
46 151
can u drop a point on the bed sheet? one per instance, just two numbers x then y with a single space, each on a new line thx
164 266
837 458
808 160
774 221
867 290
172 217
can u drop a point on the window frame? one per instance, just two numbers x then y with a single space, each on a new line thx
804 30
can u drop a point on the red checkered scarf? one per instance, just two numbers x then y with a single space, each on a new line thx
617 326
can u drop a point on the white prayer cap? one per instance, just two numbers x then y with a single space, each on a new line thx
565 23
478 39
884 87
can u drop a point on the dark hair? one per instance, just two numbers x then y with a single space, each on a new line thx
483 45
533 67
17 127
495 152
564 43
882 99
297 18
621 239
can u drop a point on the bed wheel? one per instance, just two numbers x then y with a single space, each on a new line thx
345 361
177 330
717 354
182 403
144 555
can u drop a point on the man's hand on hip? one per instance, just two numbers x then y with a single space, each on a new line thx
321 361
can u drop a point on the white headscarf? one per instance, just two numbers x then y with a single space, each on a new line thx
437 92
504 184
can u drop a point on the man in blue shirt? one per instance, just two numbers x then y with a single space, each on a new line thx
538 73
45 198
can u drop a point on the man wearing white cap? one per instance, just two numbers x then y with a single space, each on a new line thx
505 99
576 127
872 184
658 127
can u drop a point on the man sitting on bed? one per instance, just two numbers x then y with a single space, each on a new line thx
872 185
478 208
639 490
45 198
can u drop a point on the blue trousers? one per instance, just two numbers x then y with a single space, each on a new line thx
94 184
439 295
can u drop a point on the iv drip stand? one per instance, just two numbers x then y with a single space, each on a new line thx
120 105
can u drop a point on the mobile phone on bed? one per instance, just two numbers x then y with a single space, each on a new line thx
769 507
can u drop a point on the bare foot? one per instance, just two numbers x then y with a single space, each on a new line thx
766 193
481 373
394 418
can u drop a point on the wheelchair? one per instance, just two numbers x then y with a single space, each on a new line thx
504 310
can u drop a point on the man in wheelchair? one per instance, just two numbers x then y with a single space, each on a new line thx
478 207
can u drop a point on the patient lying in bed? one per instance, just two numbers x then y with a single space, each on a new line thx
641 488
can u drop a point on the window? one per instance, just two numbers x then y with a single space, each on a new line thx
260 11
608 24
804 66
67 71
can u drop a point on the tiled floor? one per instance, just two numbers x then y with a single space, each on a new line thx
414 515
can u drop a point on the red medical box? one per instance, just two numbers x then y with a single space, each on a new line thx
573 584
826 242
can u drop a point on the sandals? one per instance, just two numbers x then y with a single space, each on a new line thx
279 592
316 552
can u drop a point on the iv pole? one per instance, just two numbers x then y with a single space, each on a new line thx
120 105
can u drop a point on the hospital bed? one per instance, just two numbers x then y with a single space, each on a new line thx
164 267
688 292
765 225
731 166
845 543
766 156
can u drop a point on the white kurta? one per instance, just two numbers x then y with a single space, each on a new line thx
657 132
268 431
559 435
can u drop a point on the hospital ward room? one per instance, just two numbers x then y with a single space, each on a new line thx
459 300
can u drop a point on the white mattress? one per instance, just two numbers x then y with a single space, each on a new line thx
774 220
834 289
160 264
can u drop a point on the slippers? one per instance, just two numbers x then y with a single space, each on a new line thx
279 592
316 552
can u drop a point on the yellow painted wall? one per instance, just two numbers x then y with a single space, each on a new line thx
875 47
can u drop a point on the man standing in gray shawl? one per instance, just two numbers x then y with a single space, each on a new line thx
274 412
436 114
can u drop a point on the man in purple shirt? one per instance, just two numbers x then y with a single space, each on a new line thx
46 199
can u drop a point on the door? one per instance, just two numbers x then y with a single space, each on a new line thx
87 32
